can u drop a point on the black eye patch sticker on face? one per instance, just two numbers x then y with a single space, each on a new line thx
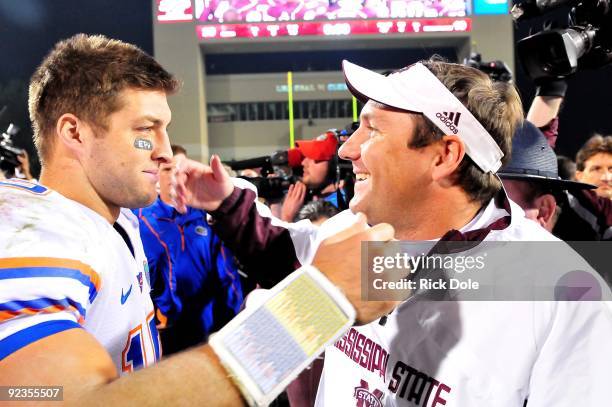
143 144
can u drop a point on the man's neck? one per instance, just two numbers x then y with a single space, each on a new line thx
433 220
75 186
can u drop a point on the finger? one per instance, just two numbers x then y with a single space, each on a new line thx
290 191
218 171
177 185
180 202
178 160
358 226
301 194
193 167
180 198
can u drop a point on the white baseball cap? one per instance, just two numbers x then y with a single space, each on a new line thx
416 89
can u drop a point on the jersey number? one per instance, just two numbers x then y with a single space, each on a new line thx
136 354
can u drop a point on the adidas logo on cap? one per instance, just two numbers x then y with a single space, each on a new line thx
450 120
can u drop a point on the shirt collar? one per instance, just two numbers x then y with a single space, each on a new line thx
497 215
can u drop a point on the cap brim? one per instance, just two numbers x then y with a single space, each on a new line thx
368 85
318 150
549 182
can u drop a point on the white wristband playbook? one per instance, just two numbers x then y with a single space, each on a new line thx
265 347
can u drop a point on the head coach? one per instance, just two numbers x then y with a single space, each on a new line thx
431 138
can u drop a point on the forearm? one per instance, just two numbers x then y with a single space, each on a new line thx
255 239
543 109
194 377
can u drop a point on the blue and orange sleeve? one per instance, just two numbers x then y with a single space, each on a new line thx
48 297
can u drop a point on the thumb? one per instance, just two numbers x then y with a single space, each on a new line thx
219 172
358 226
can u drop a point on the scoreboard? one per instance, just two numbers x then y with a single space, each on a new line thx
221 19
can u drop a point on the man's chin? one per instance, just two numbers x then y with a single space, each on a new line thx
357 204
604 192
142 201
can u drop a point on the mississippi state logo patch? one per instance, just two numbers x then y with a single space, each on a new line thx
367 398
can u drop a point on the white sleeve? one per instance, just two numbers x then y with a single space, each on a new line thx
574 362
45 284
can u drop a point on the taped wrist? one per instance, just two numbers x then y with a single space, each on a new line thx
265 347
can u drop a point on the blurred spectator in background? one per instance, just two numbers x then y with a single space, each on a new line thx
585 215
14 161
567 168
319 179
317 212
531 177
196 287
594 164
21 171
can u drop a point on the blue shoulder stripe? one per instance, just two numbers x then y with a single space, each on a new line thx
33 272
21 339
25 185
48 305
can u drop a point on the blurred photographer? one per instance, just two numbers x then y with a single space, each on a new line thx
320 178
14 161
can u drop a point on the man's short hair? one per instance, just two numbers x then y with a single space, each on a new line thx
495 104
595 145
177 149
316 210
567 168
84 75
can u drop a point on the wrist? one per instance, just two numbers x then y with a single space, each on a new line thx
225 205
266 346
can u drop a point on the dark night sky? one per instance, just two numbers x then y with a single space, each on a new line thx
29 28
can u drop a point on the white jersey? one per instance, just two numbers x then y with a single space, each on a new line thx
63 266
462 353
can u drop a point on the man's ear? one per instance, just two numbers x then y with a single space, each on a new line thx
70 129
546 205
450 152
